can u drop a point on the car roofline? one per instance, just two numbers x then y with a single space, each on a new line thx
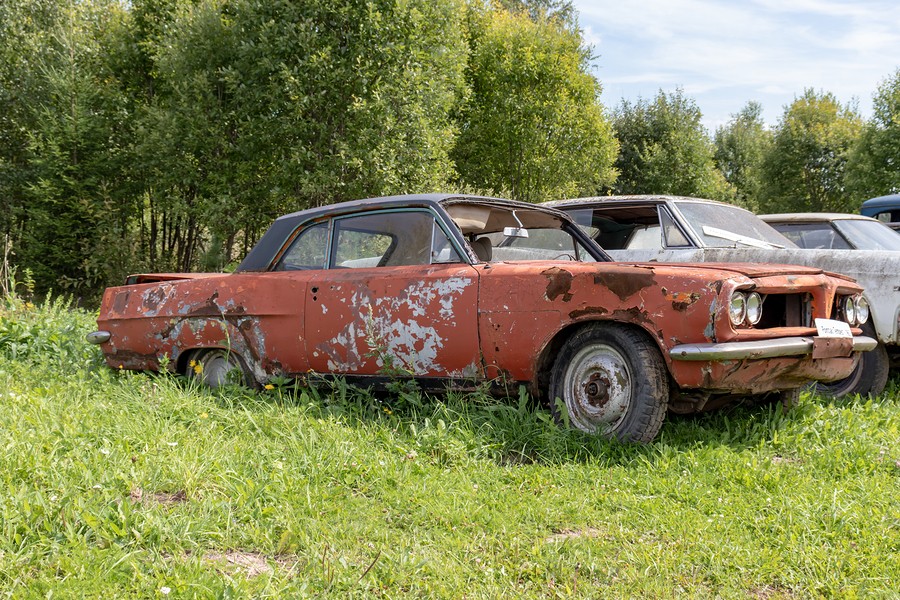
636 198
260 257
815 217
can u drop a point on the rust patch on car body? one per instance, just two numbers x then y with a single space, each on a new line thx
589 311
681 300
625 285
559 283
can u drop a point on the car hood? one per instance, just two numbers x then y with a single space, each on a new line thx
740 268
881 264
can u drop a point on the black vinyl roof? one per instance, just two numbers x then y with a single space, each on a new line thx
260 257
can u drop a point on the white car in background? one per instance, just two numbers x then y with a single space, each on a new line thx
681 229
834 231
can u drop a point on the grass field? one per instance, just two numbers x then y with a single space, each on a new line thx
123 485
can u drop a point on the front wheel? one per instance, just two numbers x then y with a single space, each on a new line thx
612 381
217 367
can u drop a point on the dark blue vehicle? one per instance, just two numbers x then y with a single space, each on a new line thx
884 208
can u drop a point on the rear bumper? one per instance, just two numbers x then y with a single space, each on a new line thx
759 349
98 337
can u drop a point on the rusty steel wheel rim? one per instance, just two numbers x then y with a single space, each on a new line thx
218 366
598 387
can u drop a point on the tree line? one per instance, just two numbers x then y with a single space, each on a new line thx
165 135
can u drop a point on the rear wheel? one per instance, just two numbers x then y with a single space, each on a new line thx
218 367
612 381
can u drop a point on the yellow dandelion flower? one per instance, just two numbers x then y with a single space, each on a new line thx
269 386
121 367
198 368
193 363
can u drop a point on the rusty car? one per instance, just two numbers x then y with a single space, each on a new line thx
683 229
834 231
429 287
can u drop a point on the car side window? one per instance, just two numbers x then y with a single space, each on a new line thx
813 235
390 239
307 251
674 236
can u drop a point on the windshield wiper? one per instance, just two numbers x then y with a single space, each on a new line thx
736 237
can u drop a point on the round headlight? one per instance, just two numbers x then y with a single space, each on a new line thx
754 308
737 309
862 310
850 310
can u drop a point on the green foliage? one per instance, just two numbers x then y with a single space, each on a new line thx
74 128
664 149
740 147
804 169
872 167
127 485
532 125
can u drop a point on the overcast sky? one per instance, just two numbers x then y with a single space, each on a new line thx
725 53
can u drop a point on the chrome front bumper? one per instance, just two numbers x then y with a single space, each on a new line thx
792 346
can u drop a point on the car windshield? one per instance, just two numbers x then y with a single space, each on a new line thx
501 233
869 235
723 226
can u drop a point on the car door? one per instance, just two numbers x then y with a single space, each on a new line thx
396 299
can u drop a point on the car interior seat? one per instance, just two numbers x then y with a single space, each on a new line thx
483 248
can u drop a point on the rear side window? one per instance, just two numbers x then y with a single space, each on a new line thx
308 250
391 239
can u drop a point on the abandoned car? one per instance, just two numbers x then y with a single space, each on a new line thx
678 229
884 208
431 287
834 231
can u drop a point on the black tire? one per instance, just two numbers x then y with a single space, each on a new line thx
218 367
868 378
612 381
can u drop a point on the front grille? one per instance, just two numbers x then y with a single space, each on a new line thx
786 310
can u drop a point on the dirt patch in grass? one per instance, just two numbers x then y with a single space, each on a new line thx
139 496
770 592
253 564
570 534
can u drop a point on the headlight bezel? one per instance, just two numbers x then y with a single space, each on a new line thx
754 308
863 310
848 309
737 313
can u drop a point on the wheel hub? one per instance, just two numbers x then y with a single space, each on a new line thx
597 390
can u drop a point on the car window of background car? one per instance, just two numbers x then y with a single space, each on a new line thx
813 235
867 235
730 219
307 251
675 238
541 244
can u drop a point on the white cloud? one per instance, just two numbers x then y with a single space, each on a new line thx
726 53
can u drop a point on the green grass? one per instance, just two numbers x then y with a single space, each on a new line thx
125 485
